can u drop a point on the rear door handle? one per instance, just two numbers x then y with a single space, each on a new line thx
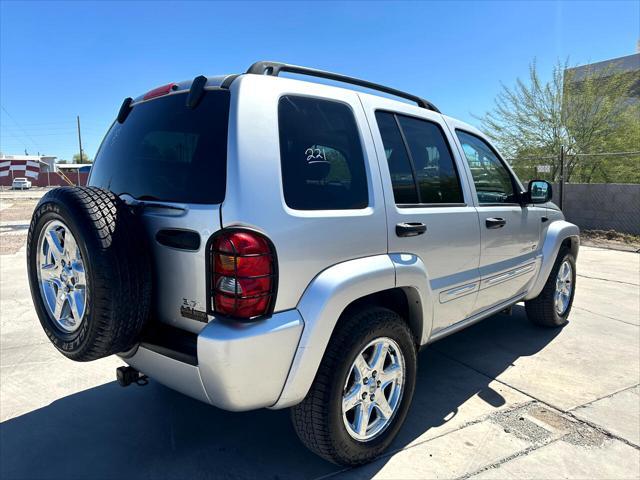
495 222
410 229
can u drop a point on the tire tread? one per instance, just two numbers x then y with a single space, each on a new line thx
541 310
310 417
120 277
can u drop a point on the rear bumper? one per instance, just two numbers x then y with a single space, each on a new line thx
239 366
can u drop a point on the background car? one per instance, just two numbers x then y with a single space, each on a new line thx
20 183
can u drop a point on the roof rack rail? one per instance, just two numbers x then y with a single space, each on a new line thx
274 69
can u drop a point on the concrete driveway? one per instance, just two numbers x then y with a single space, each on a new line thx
503 399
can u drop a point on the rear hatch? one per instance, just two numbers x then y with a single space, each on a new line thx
170 160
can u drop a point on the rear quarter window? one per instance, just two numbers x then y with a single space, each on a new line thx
322 161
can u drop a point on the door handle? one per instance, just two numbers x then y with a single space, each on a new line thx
410 229
495 222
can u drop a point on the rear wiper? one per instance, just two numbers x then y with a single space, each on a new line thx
143 202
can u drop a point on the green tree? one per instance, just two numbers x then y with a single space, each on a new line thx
589 114
85 158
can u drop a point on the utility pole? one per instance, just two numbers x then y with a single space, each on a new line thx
79 143
562 177
79 138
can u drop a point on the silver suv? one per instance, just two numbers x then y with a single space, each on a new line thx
259 241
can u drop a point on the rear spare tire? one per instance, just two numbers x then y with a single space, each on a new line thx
89 272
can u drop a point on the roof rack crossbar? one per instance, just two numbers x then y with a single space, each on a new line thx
274 69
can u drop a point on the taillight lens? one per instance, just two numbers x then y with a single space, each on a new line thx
244 274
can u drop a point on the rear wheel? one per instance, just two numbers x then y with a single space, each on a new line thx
89 272
362 391
552 307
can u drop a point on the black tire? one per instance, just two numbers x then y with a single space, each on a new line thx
318 419
541 310
118 271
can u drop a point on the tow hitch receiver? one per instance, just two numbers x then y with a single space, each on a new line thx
128 375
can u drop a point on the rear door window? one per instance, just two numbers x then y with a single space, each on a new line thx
166 151
321 155
420 161
402 176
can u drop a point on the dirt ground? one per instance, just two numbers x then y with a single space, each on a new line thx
15 215
610 239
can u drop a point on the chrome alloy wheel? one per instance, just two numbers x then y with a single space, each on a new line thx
61 276
373 390
564 287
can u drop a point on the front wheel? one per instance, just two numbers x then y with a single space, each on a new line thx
362 391
552 307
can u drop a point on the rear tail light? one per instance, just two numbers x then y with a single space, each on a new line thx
244 276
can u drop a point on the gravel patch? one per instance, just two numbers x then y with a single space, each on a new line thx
585 436
517 423
539 424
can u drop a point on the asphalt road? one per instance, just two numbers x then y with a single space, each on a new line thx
502 399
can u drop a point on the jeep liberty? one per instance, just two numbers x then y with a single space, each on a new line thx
317 234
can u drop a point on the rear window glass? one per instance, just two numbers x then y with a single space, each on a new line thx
321 155
166 151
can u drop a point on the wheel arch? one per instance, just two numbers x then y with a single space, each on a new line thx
559 234
401 300
340 289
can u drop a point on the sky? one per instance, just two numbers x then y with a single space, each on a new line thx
59 60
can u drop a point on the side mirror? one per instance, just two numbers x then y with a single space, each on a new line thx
539 191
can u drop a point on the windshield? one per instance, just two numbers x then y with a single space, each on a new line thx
166 151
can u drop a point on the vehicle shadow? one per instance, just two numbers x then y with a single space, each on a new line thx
153 432
456 368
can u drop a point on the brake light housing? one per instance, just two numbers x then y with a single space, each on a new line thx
160 91
243 278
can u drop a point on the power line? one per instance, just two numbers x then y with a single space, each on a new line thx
56 134
62 132
4 137
48 123
59 125
25 132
